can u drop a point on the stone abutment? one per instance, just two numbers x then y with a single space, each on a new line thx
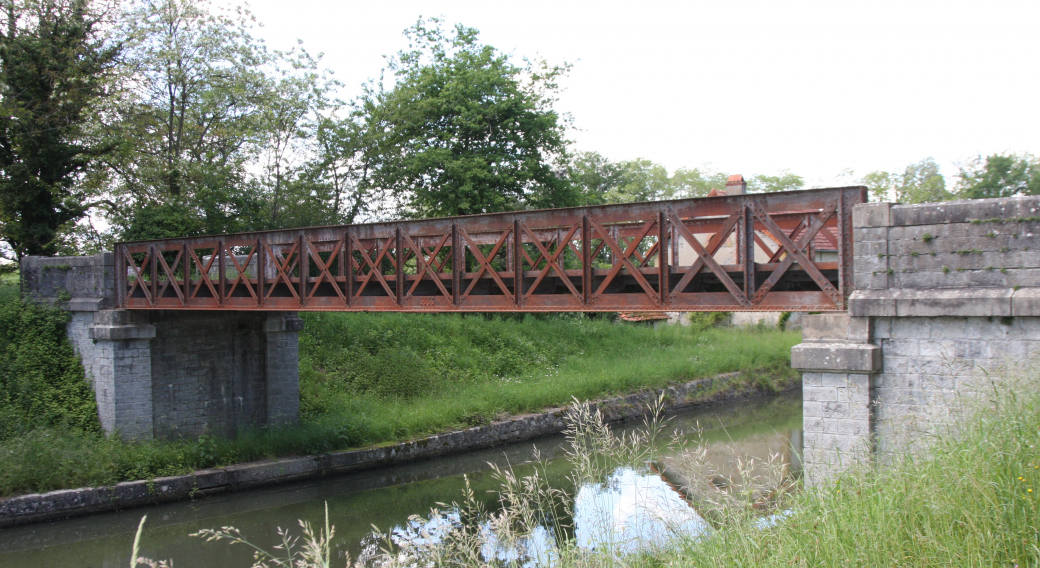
947 303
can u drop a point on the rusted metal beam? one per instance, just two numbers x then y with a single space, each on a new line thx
682 255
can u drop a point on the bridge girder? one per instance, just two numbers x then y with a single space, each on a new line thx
726 253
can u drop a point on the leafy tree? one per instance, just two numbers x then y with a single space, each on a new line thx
1001 175
880 185
194 88
600 180
784 181
922 183
919 183
594 176
464 130
693 182
53 66
342 170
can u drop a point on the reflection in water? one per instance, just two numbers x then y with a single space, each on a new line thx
388 497
633 512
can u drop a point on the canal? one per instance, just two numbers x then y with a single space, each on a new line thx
386 498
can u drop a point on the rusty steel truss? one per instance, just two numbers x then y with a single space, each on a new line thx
727 253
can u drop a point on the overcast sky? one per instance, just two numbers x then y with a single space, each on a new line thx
748 87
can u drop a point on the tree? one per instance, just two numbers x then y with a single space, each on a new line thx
600 180
464 130
190 117
919 183
880 185
54 62
1002 175
784 181
922 183
594 176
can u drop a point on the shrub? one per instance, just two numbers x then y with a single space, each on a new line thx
41 379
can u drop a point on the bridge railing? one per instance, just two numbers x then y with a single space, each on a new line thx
766 252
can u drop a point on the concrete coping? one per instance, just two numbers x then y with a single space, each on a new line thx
122 332
836 357
958 302
872 215
86 304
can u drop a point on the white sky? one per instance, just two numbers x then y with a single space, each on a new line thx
749 87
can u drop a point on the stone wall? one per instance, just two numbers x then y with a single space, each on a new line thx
947 299
84 283
170 374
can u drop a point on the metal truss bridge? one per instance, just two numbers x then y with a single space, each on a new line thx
764 252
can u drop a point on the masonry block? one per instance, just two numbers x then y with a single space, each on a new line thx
872 215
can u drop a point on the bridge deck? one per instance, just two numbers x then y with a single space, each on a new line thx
769 252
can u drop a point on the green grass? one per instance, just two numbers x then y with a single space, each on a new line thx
972 500
369 379
451 371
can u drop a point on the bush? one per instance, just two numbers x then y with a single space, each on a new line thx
42 382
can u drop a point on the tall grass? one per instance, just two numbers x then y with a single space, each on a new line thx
972 499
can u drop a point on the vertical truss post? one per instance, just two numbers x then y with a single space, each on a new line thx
518 264
154 270
748 249
221 269
844 247
399 268
458 259
305 268
673 239
348 251
261 272
510 257
586 259
344 268
662 257
186 267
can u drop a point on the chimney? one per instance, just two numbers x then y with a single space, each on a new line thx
736 185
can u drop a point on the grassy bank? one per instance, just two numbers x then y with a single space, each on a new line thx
403 375
365 379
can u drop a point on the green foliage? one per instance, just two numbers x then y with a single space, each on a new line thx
464 130
1001 175
41 378
919 183
601 181
162 221
53 64
922 183
784 181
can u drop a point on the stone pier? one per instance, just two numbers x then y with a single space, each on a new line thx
164 374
